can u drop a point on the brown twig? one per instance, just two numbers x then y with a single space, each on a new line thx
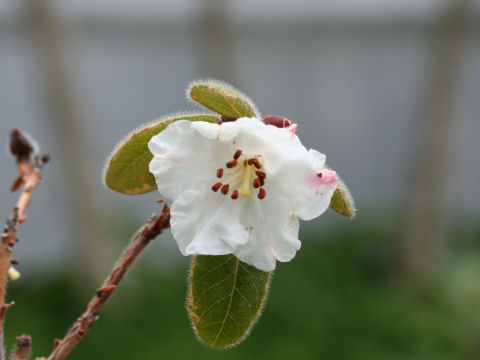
22 349
30 175
148 232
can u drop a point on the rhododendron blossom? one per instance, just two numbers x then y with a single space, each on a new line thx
239 187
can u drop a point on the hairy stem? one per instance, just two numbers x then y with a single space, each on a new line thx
148 232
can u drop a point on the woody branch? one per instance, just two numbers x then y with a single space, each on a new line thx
30 173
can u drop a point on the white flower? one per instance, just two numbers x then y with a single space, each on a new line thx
239 188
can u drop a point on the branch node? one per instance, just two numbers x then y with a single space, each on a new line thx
4 308
22 145
24 340
56 342
106 290
22 348
17 183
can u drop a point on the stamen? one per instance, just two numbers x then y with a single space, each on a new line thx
261 174
320 175
231 164
216 186
261 193
247 178
242 178
233 180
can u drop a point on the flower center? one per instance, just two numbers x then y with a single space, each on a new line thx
241 174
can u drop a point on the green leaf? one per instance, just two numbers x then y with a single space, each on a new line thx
342 202
222 98
127 169
226 298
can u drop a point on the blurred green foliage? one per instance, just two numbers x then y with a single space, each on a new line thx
341 298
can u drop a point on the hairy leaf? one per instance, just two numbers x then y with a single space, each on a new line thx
342 202
226 298
127 169
222 98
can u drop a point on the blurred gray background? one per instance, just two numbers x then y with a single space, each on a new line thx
389 91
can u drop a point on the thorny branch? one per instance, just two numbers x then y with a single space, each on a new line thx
22 147
148 232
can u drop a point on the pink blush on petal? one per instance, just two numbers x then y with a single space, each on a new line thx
328 177
174 158
292 129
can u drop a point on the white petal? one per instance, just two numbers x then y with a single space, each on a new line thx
207 223
317 160
273 234
223 132
258 232
182 159
309 194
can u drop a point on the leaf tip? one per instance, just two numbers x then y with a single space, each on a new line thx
218 85
342 200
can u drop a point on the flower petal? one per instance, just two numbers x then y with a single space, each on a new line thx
182 159
257 232
223 132
273 235
308 191
206 223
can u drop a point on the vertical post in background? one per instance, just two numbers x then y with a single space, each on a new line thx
215 42
66 121
425 226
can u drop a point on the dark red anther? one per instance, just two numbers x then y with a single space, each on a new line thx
261 174
251 161
256 183
221 119
219 173
257 164
319 175
276 120
235 194
231 164
261 193
225 189
237 154
262 181
216 186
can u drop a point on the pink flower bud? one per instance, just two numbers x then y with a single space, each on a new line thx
276 120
